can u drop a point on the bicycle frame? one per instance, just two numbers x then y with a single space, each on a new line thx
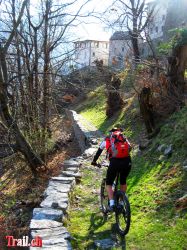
122 213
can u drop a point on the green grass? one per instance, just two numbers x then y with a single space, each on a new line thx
94 107
155 184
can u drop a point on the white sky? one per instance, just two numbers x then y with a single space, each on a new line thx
93 28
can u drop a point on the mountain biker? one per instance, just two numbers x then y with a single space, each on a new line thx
117 165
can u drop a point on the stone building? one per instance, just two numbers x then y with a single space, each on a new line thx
167 15
87 51
157 22
119 49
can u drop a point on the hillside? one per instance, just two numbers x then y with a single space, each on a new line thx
156 185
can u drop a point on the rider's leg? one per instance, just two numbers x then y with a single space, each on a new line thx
125 168
110 192
111 174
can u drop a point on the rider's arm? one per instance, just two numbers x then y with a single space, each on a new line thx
99 151
130 147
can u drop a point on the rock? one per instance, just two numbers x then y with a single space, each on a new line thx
71 163
161 148
47 213
57 185
54 247
137 150
52 201
185 168
44 224
161 158
181 203
143 145
168 151
71 174
105 243
93 141
46 233
52 242
185 163
56 192
64 180
90 152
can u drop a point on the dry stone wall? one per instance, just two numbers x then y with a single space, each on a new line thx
47 220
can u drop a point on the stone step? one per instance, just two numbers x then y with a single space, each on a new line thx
70 164
55 201
66 246
71 174
44 224
46 233
56 237
58 187
64 180
47 213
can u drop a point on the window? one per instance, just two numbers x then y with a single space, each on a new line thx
156 29
163 17
97 44
106 45
162 28
93 54
151 30
123 49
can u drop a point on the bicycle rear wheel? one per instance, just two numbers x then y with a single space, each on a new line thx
103 197
122 213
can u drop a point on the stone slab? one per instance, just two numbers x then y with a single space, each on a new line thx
64 180
58 187
66 246
55 202
71 163
105 244
54 232
51 191
44 224
71 174
90 152
47 213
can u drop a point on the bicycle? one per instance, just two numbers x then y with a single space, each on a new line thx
121 207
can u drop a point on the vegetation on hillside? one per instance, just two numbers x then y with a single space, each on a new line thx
156 183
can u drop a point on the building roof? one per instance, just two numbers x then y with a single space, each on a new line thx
120 35
90 40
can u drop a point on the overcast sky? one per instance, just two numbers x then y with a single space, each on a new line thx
93 28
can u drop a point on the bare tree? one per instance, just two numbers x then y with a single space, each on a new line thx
28 48
6 116
131 15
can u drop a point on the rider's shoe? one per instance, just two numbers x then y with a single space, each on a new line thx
111 208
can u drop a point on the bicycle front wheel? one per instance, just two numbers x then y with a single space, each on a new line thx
122 213
103 197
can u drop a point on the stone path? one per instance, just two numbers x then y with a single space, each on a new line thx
47 220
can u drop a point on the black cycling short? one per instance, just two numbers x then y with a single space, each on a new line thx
121 166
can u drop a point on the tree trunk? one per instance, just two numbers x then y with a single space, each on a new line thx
146 109
22 144
134 39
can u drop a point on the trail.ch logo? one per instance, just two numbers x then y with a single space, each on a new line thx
24 242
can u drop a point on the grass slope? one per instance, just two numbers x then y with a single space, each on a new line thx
155 184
